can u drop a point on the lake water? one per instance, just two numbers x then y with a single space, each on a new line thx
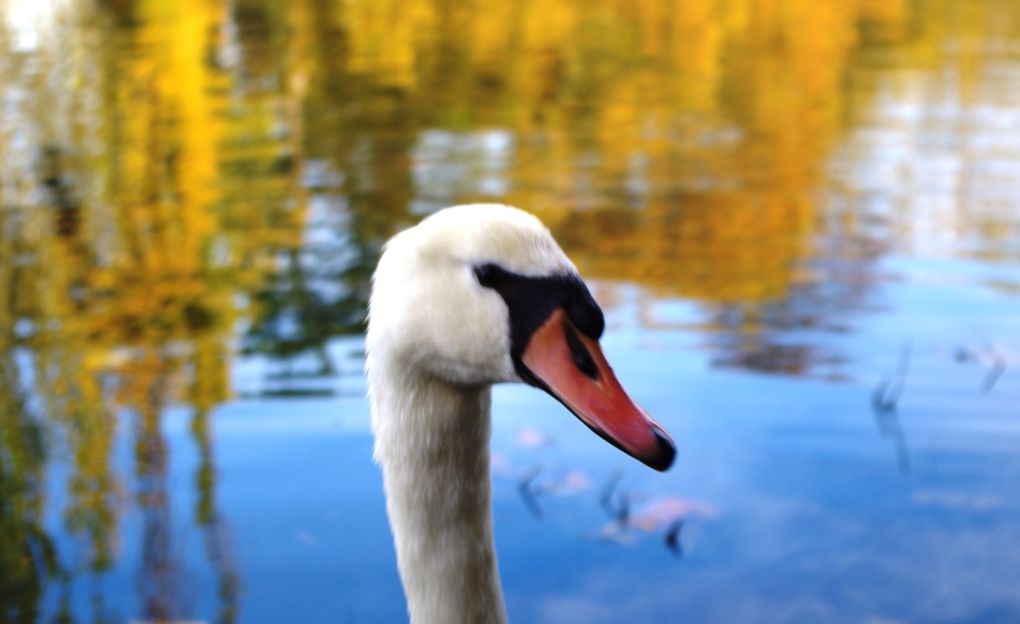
802 218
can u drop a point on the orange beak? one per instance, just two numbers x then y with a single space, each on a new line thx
572 368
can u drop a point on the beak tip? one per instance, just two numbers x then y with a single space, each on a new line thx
665 454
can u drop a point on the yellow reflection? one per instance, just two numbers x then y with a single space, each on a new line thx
675 144
177 177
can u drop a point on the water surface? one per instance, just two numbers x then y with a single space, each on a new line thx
800 217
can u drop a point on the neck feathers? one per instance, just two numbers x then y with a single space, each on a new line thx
432 441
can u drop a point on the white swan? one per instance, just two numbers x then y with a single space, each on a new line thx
472 296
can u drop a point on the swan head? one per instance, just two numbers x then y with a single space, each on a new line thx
482 294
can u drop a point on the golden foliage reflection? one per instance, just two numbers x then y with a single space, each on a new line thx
175 172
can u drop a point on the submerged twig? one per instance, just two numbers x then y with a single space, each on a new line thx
606 496
618 510
525 487
672 540
996 371
988 356
623 509
884 400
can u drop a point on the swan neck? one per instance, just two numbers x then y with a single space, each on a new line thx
432 441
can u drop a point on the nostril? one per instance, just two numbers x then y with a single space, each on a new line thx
579 353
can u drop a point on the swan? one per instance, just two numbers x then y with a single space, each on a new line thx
472 296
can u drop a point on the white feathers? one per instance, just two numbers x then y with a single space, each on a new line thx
436 341
427 308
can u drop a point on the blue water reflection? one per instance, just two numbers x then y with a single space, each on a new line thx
794 507
801 218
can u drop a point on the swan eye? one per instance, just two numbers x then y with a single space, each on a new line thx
532 299
489 275
584 312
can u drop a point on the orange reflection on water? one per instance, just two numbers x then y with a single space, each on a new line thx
180 181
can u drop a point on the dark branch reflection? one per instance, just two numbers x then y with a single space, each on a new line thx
216 533
28 557
159 577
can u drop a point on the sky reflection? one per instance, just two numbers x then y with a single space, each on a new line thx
775 203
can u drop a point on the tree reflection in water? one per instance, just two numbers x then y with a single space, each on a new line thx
28 558
182 178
